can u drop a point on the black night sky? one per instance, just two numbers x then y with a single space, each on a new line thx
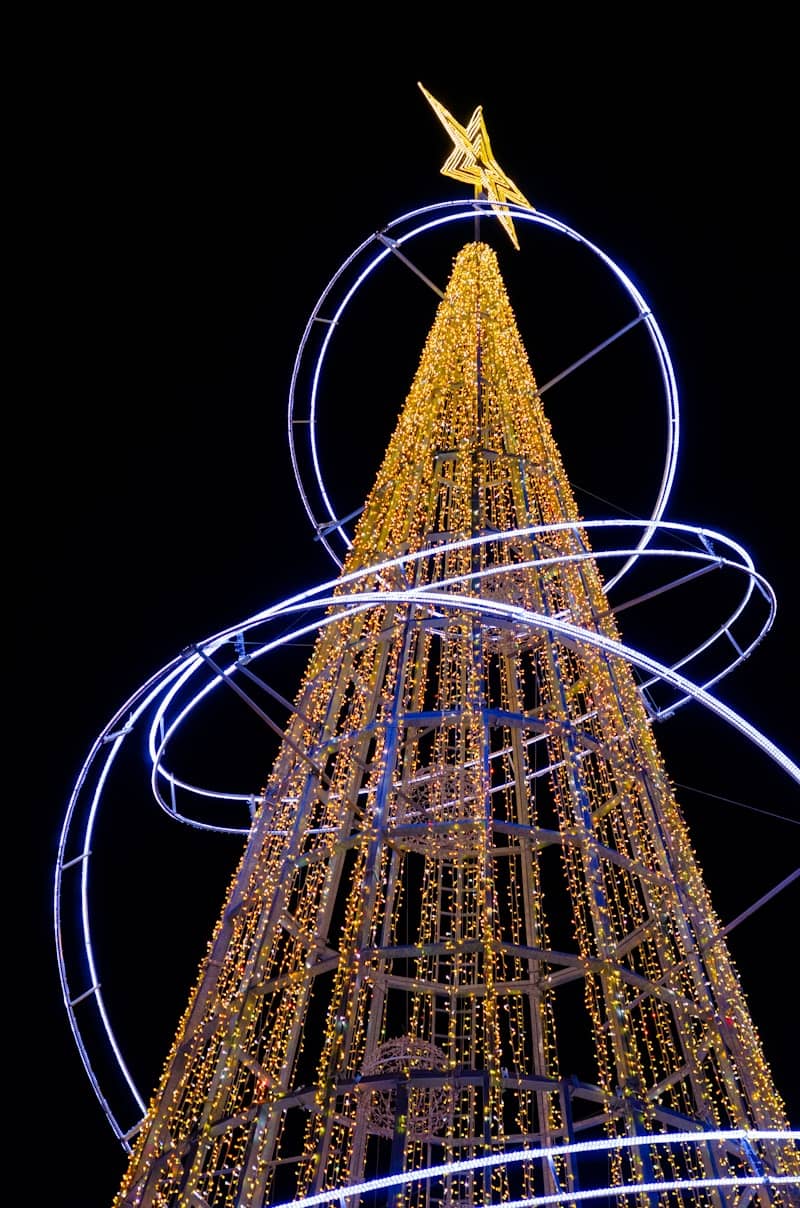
188 200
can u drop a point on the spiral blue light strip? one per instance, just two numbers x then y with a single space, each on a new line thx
165 689
162 733
342 1194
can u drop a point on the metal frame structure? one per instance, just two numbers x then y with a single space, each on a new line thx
468 956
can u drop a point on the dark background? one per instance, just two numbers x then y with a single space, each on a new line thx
184 199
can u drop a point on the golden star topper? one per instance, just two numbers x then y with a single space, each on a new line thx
473 162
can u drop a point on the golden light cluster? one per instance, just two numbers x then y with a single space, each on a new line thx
467 820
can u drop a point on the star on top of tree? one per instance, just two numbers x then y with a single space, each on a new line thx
473 162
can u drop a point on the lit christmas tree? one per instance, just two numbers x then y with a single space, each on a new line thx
468 921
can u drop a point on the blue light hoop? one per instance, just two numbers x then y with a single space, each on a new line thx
390 239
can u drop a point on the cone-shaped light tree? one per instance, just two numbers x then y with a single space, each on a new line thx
468 919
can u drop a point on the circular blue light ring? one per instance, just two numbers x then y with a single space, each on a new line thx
167 731
549 1153
163 732
163 729
458 211
351 604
